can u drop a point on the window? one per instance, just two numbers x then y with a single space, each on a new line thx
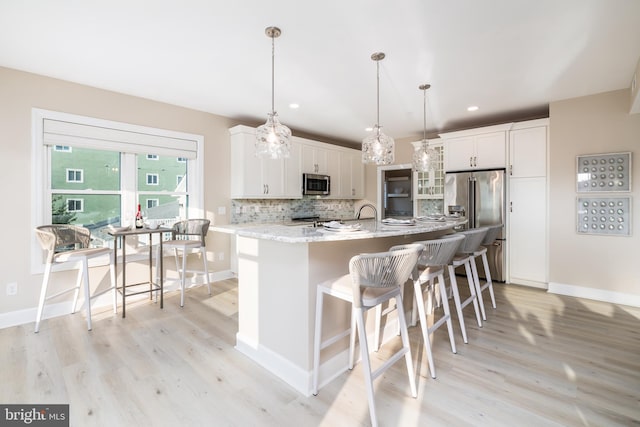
74 175
106 170
75 205
152 179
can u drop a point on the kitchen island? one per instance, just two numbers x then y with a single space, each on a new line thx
279 268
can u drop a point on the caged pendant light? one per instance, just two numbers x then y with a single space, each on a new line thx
273 139
378 148
424 157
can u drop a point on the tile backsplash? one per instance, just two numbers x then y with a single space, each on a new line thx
282 210
430 207
275 210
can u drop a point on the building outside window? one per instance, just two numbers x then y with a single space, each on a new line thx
152 157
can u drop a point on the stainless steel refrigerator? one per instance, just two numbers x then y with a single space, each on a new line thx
480 197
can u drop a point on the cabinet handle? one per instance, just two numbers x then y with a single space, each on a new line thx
475 161
471 162
267 188
510 206
510 169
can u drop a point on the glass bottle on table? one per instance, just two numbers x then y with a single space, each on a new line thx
139 220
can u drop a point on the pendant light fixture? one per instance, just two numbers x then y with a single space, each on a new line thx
378 148
273 139
424 157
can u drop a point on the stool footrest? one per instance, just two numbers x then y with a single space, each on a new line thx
334 339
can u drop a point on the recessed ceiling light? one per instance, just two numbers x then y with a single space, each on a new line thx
473 108
294 106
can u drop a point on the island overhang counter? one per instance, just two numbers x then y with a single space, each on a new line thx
279 268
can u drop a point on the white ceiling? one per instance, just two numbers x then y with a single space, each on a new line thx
509 57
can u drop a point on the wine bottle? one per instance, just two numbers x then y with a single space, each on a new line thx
139 221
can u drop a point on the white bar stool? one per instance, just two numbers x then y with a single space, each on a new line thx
188 236
372 280
67 243
464 257
492 233
437 254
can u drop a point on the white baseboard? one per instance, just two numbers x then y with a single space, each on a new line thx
28 315
298 378
594 294
284 369
529 283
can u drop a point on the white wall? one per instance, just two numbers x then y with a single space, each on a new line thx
601 267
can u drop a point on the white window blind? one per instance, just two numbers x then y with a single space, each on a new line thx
57 132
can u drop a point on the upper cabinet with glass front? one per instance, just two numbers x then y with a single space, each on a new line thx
430 184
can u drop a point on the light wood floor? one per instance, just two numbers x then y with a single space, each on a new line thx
540 360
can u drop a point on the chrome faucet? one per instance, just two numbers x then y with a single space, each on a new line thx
368 205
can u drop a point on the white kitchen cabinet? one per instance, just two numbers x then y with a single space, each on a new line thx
527 235
527 227
315 157
333 168
528 149
257 178
351 176
482 148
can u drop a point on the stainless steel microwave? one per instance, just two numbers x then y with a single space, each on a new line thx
314 184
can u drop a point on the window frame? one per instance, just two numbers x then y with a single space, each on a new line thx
75 173
41 191
63 148
75 200
154 181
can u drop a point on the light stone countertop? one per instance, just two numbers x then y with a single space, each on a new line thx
306 233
